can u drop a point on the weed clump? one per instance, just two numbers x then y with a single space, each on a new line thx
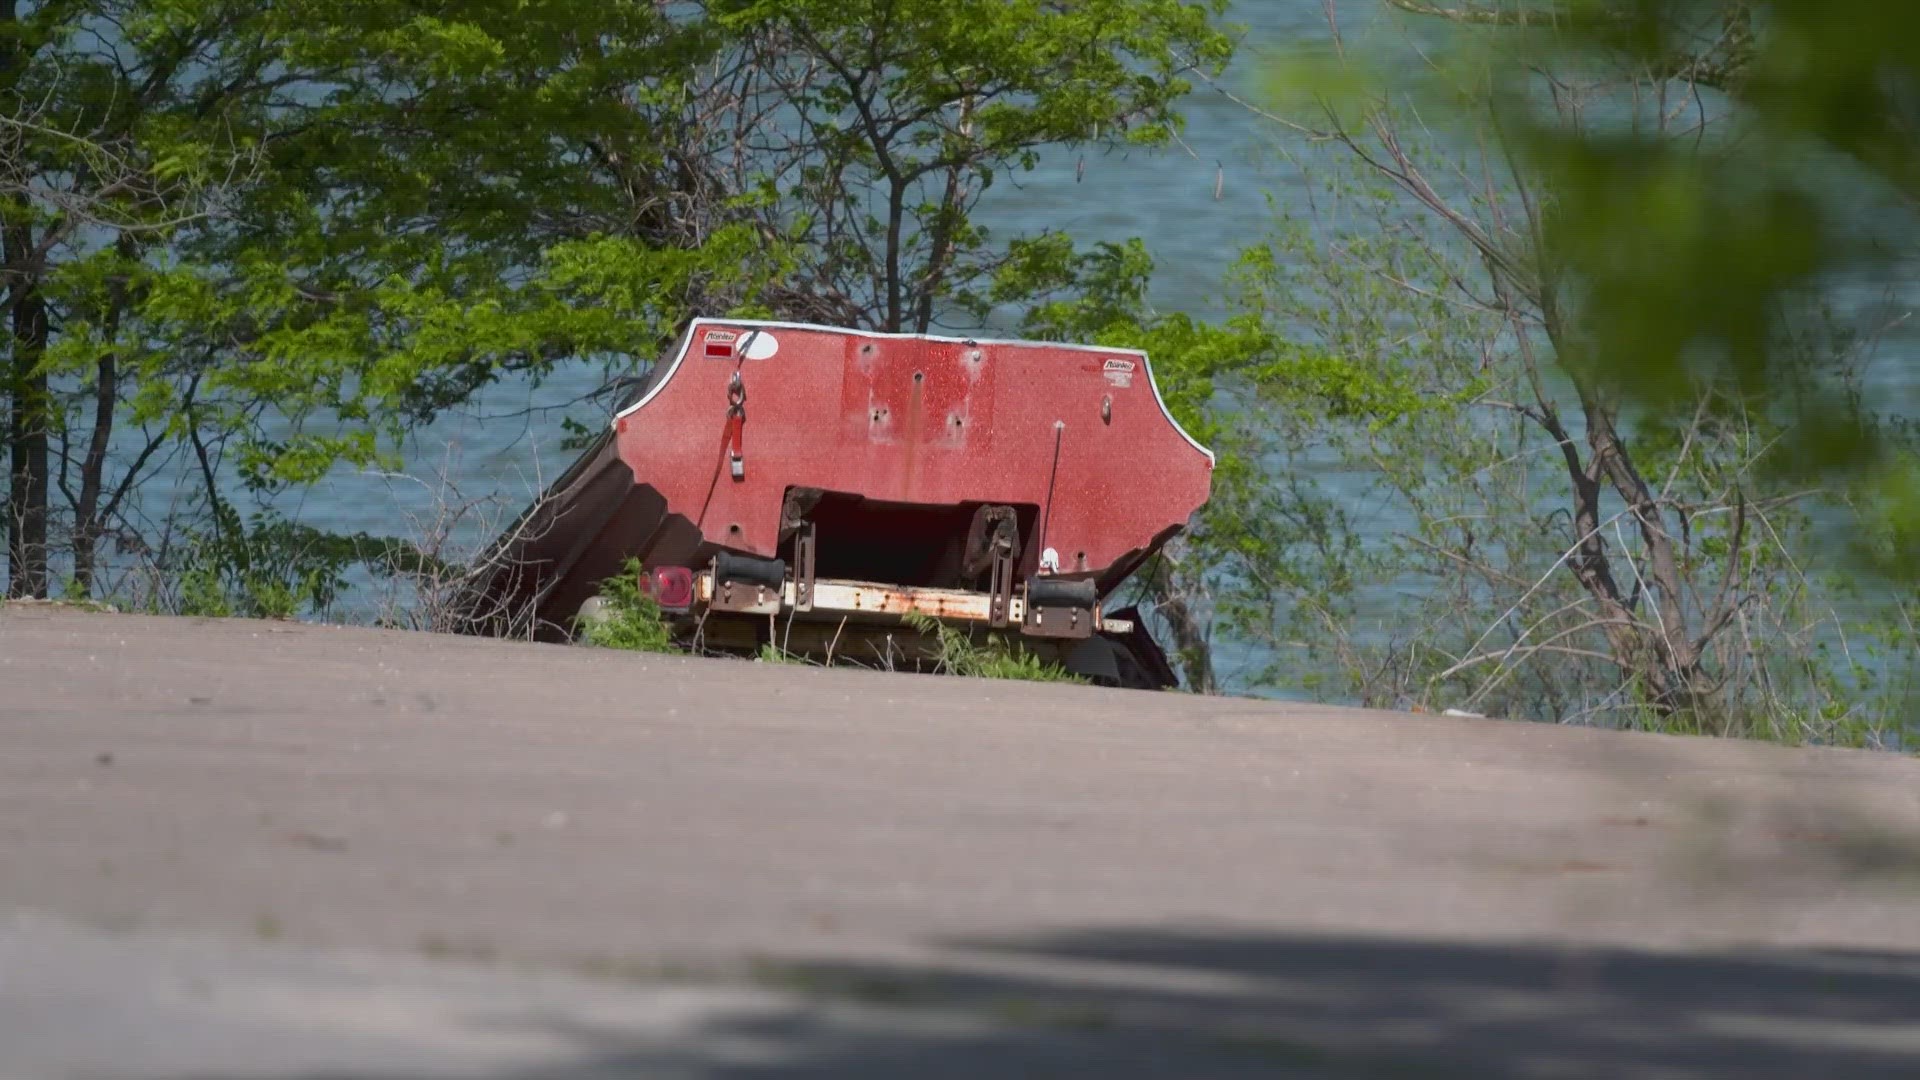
773 654
959 654
628 619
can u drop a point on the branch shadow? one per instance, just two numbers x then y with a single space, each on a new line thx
1150 1004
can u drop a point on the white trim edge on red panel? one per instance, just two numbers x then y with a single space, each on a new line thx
686 346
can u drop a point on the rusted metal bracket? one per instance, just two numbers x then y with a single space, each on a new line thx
1001 592
993 544
995 531
805 543
745 598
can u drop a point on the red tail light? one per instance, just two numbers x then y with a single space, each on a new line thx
670 586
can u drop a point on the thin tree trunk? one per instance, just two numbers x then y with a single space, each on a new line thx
29 420
1190 644
896 221
27 432
89 516
942 247
87 519
1667 661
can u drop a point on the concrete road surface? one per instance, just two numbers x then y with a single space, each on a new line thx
241 849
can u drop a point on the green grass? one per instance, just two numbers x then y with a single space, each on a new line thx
774 654
96 607
959 654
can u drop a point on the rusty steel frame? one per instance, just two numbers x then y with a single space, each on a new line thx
740 597
870 601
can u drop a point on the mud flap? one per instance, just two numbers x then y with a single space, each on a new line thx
1096 659
1143 664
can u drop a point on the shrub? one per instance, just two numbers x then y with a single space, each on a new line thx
628 619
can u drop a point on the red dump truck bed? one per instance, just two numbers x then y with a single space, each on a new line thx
777 457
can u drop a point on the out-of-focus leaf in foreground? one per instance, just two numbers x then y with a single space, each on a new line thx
1744 166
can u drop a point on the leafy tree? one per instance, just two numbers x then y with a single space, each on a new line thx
488 189
879 124
121 126
1591 541
469 192
251 243
1691 260
253 239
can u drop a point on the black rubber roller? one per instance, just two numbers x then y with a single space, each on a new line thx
748 570
1062 592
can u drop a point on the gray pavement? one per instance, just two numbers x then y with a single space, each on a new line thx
253 849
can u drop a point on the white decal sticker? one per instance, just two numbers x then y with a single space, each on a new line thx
762 345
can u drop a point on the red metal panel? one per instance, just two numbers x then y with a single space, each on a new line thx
1079 432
